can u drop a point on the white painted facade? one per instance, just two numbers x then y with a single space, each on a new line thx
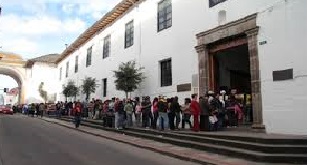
282 25
41 72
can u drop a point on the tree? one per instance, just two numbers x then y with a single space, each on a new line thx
88 87
70 90
128 77
42 92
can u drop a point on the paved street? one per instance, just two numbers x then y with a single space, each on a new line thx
29 141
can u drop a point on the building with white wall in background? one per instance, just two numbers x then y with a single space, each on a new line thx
254 47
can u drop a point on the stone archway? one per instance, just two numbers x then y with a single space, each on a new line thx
243 27
14 66
18 77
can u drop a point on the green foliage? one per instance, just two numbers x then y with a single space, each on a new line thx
42 92
70 90
128 77
88 87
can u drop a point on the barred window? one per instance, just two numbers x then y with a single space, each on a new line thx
166 72
67 70
88 58
164 14
107 46
76 64
129 34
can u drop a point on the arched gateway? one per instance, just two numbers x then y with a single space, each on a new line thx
14 66
29 74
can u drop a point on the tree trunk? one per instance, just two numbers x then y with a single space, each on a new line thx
127 95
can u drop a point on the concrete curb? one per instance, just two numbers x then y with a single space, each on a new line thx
139 145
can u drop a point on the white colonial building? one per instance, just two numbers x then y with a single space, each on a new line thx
255 46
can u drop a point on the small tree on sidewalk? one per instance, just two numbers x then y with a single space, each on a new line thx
128 77
42 92
88 87
70 90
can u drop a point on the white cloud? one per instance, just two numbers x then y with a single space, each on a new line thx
39 25
21 46
96 8
68 8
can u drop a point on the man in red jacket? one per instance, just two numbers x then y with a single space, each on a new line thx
195 110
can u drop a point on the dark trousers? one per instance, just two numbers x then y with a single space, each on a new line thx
154 120
145 119
186 118
177 115
77 121
196 126
204 122
171 118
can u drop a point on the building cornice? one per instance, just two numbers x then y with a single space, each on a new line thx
109 18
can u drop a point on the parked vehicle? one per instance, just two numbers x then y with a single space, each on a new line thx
6 109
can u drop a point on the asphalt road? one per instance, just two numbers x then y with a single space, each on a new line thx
29 141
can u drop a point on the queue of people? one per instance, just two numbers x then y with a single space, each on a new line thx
208 113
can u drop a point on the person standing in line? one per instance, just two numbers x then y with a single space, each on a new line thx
116 101
146 110
138 112
204 117
196 110
174 109
121 113
41 109
186 111
155 112
128 108
162 108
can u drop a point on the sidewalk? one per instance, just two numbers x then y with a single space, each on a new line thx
183 153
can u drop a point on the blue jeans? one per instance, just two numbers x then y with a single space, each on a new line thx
163 120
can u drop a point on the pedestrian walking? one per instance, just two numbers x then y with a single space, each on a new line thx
162 109
204 117
77 114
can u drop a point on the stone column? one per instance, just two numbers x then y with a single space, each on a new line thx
255 79
203 69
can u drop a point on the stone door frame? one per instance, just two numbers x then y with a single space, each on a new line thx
206 40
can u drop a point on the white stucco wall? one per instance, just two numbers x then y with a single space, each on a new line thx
284 102
282 24
40 72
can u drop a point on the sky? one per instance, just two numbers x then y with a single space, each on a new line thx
33 28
